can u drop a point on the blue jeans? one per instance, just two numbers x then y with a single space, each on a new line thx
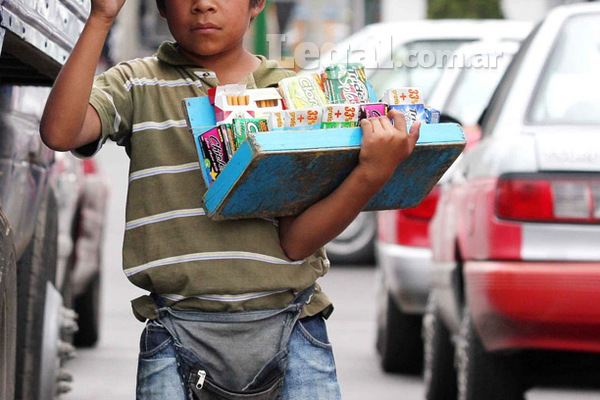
310 372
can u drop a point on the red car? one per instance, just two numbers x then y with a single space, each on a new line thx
515 237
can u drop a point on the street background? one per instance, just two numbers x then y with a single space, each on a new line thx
107 372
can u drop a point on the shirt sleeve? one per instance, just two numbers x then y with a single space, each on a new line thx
111 98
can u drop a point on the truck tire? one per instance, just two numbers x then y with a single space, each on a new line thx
486 375
8 310
35 269
399 341
438 373
87 307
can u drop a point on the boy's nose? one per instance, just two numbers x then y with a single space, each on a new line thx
202 6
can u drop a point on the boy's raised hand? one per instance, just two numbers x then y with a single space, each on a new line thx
106 9
384 146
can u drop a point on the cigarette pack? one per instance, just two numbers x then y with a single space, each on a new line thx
347 84
230 101
265 101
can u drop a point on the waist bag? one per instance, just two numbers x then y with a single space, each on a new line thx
235 355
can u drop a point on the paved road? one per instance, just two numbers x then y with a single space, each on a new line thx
107 372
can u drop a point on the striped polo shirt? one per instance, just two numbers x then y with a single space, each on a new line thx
171 248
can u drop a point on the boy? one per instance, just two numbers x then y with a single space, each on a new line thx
226 296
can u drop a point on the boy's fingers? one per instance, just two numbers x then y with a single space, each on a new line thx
366 126
399 121
413 135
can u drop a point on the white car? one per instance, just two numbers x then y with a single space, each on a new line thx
403 256
407 53
514 297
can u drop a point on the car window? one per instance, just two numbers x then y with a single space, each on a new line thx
492 112
419 63
569 88
474 87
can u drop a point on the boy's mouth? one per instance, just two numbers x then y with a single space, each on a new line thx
205 27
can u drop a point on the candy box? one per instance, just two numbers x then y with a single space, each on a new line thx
408 101
279 173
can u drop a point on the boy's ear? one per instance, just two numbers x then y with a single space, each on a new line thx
255 10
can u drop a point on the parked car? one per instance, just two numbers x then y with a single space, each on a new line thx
407 53
51 215
403 255
516 232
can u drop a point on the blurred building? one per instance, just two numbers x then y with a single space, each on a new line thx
315 21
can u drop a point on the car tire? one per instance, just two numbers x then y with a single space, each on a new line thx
87 307
439 374
36 268
399 341
8 310
356 244
486 375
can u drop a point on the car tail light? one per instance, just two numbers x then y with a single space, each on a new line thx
426 208
412 224
549 199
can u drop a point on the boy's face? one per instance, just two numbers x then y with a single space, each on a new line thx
205 28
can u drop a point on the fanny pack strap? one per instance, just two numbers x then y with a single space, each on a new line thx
236 349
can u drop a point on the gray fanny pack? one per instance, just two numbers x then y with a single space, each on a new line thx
233 355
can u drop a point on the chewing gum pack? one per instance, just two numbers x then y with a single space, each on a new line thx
347 84
302 119
340 115
373 110
215 153
242 126
408 101
302 91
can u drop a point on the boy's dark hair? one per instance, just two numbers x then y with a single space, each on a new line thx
161 4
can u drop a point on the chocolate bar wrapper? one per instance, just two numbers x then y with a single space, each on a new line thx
215 155
433 115
243 126
373 110
302 91
412 113
340 115
347 83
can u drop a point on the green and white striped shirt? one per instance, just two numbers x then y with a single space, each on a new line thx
171 248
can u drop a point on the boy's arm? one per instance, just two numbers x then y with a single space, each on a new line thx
383 148
68 121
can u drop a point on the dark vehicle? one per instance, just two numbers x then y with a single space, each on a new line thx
43 211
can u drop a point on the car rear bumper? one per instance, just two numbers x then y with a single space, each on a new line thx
546 305
407 274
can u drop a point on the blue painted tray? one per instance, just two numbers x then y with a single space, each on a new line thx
281 173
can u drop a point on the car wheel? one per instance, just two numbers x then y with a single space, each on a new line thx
486 375
438 373
36 268
399 341
355 245
87 307
8 310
